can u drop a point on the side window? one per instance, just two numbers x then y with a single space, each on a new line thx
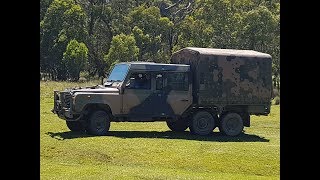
139 81
159 81
178 81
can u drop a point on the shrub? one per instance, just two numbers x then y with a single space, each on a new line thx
276 93
276 100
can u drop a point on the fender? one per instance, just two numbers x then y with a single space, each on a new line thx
82 99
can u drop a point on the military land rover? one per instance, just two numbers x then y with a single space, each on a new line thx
202 89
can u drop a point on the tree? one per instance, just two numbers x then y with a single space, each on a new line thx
123 48
105 19
100 33
176 11
151 32
157 28
194 33
275 49
44 4
259 29
142 41
64 20
225 18
119 15
75 58
50 28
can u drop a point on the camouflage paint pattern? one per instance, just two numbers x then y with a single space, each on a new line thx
78 99
133 103
185 98
216 78
228 77
153 103
113 100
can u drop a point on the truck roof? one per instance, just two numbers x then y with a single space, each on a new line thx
152 66
226 52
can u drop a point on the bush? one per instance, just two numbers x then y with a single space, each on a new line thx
82 79
75 58
276 93
276 100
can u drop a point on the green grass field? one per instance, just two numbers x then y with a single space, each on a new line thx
152 151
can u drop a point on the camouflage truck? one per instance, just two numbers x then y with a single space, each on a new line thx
205 88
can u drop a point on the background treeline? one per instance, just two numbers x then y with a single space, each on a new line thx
90 36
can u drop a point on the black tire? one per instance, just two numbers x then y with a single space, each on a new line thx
75 126
202 123
99 123
178 126
216 121
246 119
231 124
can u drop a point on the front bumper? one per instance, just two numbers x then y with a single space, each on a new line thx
63 105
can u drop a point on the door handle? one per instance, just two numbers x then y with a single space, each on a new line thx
184 99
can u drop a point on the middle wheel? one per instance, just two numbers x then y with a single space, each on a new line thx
178 126
202 123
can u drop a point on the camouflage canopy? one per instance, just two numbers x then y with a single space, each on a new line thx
225 52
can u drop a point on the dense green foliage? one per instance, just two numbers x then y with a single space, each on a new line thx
64 21
123 48
136 150
158 28
75 59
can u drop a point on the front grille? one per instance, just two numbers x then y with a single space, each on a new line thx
67 100
57 104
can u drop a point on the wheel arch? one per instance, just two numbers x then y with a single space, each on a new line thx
240 110
90 107
193 110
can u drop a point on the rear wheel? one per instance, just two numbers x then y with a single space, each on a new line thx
99 123
245 118
178 126
202 123
231 124
75 126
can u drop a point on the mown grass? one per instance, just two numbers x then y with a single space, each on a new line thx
151 151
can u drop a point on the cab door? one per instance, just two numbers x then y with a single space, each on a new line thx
173 93
135 96
178 91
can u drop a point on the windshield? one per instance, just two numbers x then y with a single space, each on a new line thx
118 73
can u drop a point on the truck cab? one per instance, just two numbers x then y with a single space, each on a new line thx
134 91
152 91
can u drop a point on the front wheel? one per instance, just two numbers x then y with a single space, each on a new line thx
99 123
202 123
231 124
75 126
